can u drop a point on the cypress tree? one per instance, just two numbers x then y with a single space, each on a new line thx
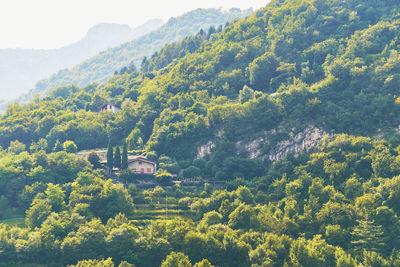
117 158
110 157
125 157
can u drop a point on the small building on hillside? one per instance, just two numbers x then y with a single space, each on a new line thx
109 108
142 165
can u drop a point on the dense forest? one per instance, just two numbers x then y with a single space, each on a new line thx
288 121
335 207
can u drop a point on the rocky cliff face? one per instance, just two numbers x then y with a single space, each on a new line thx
265 145
206 149
305 140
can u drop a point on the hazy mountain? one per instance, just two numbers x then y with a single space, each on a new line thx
20 69
102 66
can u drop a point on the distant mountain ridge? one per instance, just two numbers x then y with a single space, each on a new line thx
102 66
20 69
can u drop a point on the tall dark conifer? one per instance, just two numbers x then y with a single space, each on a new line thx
110 157
117 158
125 157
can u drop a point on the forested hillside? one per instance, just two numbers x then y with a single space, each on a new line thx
288 120
102 66
275 73
336 207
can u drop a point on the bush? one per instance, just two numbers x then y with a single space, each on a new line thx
16 147
168 164
261 197
234 184
132 190
93 263
191 172
185 202
220 175
163 176
126 176
94 159
176 259
70 147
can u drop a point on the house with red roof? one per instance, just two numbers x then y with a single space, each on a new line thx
141 165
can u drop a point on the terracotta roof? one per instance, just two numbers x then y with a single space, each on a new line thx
140 158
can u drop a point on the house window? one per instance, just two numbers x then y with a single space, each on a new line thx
142 170
148 169
140 163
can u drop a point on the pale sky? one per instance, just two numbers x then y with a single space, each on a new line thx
54 23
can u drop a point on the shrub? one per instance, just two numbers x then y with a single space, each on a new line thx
191 172
70 146
94 159
163 176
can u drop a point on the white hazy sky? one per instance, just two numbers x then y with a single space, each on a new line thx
54 23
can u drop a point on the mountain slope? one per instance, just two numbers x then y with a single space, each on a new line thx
272 83
102 66
20 69
231 109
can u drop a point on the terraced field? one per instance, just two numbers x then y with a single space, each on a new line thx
145 213
14 221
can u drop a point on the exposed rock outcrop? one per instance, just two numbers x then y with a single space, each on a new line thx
305 140
206 149
265 145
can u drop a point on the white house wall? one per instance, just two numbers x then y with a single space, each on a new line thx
141 167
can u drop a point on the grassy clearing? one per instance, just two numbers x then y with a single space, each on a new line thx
146 213
17 220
